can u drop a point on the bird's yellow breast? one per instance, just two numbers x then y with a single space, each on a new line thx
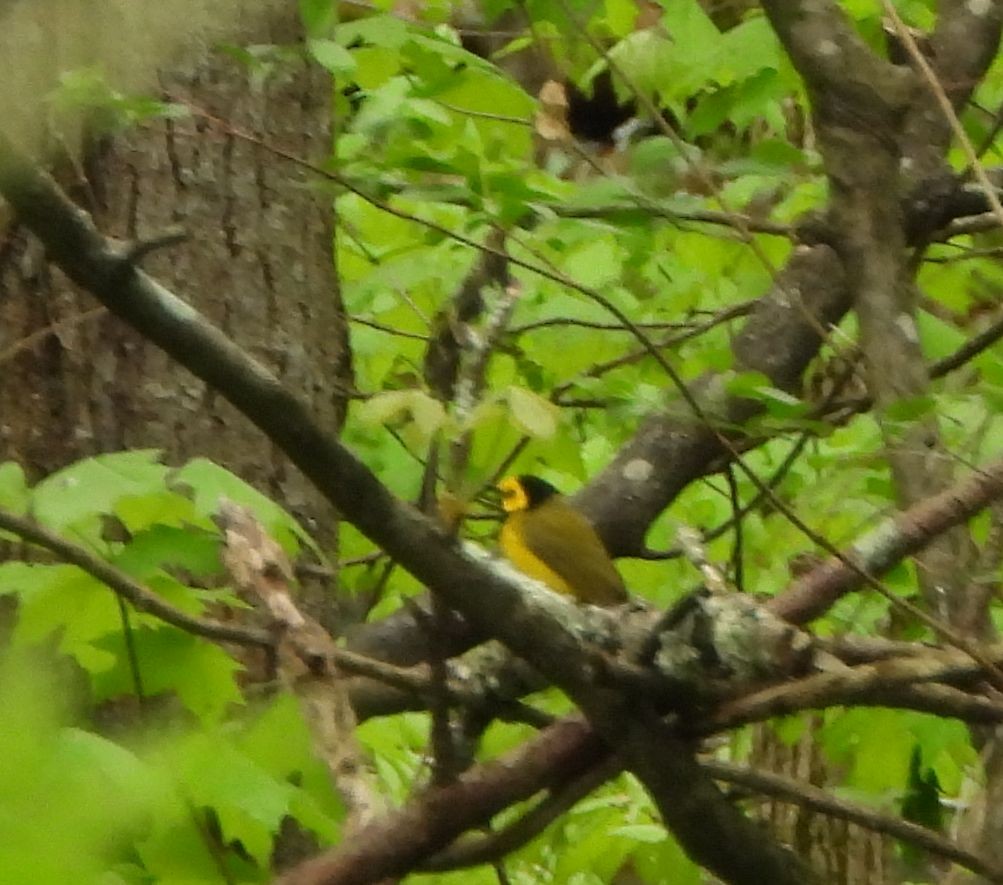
524 559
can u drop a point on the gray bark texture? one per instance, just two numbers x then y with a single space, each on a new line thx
258 262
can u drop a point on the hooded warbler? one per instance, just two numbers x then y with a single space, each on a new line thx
546 538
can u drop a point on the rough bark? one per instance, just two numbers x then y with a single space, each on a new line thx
840 851
259 261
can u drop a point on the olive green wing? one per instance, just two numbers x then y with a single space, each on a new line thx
565 540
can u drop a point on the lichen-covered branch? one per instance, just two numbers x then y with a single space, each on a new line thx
546 630
815 592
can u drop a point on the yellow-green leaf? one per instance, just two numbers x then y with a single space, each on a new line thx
535 415
384 407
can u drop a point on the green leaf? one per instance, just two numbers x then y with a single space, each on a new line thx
70 800
590 844
18 577
620 16
281 743
164 507
332 56
939 338
534 415
451 53
375 65
911 409
84 490
161 546
14 493
652 833
876 743
208 483
596 263
426 412
178 852
64 601
248 802
653 860
318 16
748 384
201 674
748 49
387 31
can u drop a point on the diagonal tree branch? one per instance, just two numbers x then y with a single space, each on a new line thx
699 814
808 796
833 58
537 625
963 44
671 448
400 841
142 598
904 534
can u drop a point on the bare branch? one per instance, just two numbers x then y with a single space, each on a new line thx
35 338
138 250
848 686
843 75
450 327
811 797
304 649
815 592
398 842
944 102
713 832
468 853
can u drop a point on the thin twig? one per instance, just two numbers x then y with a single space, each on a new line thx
947 109
135 252
120 583
813 798
390 330
56 328
499 844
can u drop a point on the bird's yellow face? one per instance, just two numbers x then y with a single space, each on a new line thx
513 495
546 538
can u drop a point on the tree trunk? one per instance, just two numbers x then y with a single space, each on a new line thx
840 852
258 263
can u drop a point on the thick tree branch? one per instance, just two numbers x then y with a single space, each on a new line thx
963 44
848 686
814 592
834 60
718 837
943 99
904 534
494 846
400 841
532 621
672 448
965 41
871 176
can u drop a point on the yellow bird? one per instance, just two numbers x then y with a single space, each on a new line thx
546 538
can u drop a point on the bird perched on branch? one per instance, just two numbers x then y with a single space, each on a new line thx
546 538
